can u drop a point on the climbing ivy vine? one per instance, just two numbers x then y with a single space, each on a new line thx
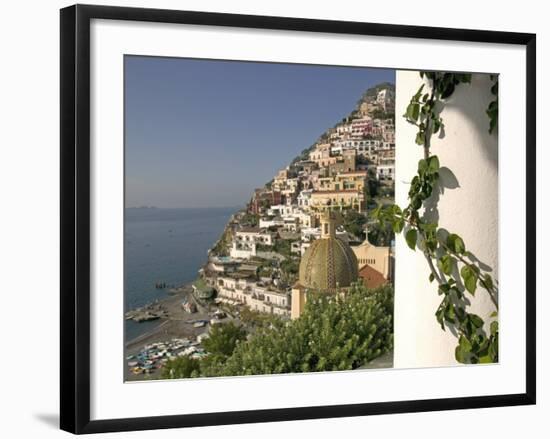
455 269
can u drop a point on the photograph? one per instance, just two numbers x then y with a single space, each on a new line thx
262 217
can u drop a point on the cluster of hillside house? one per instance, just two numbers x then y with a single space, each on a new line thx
332 176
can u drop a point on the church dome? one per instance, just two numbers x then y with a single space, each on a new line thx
329 262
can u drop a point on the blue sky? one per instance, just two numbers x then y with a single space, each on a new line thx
203 133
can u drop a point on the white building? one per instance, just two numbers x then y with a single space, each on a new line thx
385 171
254 234
304 198
242 249
271 222
256 296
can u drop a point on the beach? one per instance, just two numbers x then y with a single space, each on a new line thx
177 324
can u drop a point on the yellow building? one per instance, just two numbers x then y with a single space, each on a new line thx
340 199
328 266
354 180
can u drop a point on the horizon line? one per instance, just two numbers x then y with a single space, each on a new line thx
186 207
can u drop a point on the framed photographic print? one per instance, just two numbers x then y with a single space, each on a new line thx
268 218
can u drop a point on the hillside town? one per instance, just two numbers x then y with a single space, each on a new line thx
345 173
304 233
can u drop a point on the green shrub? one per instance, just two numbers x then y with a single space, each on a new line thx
181 367
223 339
333 333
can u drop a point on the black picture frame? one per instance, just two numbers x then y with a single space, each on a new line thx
75 217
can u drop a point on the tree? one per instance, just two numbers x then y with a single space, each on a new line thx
283 247
181 367
354 222
380 234
334 333
250 219
373 184
223 339
289 270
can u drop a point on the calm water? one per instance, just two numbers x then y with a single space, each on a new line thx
165 245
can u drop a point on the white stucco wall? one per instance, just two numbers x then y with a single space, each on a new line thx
471 210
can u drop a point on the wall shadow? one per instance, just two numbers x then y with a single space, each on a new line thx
49 419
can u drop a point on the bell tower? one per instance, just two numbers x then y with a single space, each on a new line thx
328 227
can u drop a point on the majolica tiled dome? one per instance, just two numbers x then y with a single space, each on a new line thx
329 263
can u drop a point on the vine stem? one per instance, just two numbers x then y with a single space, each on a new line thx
490 291
428 133
431 265
436 275
427 138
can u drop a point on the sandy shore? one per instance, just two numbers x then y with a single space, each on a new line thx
177 324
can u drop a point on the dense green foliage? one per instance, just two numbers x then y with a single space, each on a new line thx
354 222
254 319
458 270
220 248
289 270
380 235
283 247
181 367
333 333
223 339
250 219
381 114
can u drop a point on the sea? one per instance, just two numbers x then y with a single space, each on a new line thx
168 246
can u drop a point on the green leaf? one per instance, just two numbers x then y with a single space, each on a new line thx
476 320
445 263
494 328
413 111
422 166
471 285
431 278
418 93
488 282
455 243
464 344
433 163
411 237
398 225
459 355
450 313
420 138
485 359
470 279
